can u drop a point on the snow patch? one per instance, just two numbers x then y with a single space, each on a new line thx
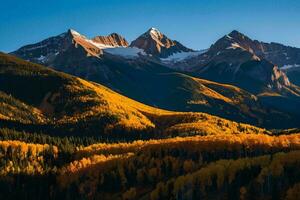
75 32
36 47
234 46
285 67
127 52
229 37
42 58
177 57
155 32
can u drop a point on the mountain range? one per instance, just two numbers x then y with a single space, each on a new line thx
236 78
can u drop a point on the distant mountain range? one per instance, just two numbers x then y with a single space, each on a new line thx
236 78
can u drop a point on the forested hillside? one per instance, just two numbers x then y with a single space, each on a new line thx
239 166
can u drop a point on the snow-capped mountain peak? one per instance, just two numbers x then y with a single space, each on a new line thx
155 43
74 33
154 32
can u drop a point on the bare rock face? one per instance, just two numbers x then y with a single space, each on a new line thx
80 41
238 60
276 53
114 40
155 43
46 51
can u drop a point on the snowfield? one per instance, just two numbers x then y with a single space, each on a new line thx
177 57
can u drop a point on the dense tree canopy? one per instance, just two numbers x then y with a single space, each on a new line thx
244 166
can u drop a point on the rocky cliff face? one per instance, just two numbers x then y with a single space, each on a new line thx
113 40
238 60
46 51
276 53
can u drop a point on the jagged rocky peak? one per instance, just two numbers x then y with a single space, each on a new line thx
152 33
234 40
45 51
114 40
236 34
157 44
276 53
155 33
280 77
237 37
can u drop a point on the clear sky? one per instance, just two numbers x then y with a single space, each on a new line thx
195 23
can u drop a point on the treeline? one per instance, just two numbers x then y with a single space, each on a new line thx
27 170
242 166
264 177
242 143
26 158
137 166
64 143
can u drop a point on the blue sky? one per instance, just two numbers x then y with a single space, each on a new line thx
195 23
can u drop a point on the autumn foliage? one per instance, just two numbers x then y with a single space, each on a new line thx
201 161
238 166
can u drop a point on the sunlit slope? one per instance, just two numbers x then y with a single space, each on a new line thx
68 100
140 116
